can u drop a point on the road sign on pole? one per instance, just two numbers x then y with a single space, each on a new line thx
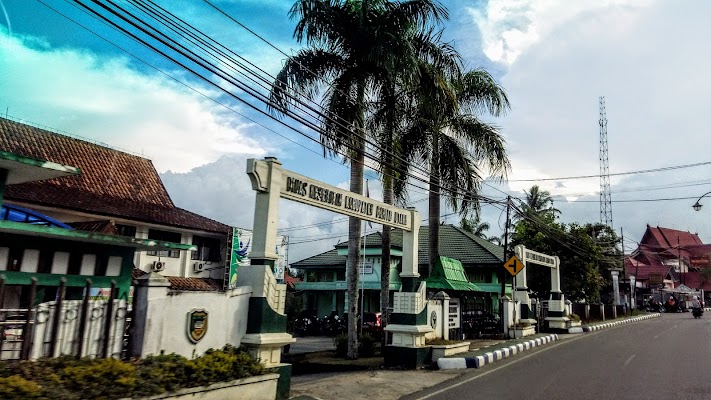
513 265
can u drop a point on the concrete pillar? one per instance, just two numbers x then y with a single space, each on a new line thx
524 313
147 288
616 285
444 298
508 308
410 257
266 210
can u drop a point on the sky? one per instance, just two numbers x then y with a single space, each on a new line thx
62 69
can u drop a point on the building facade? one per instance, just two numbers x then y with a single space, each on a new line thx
324 286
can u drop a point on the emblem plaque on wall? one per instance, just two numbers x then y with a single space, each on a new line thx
197 324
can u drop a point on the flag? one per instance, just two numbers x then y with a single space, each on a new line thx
367 194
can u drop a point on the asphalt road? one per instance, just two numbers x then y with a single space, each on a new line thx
660 358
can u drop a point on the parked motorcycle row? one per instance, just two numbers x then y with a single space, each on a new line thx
311 325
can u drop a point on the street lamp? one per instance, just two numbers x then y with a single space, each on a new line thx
697 206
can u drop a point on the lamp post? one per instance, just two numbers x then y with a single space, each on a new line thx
697 206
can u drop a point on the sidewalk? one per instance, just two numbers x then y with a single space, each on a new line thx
340 379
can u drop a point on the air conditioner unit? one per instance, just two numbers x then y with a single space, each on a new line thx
158 266
198 267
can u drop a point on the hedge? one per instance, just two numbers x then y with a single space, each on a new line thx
69 378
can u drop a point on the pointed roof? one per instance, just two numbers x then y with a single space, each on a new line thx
449 274
667 238
112 183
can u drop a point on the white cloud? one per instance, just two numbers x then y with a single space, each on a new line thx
109 101
510 27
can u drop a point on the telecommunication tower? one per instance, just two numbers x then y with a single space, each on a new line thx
605 198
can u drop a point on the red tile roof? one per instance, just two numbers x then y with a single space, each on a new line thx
290 280
693 280
669 238
642 271
112 183
195 284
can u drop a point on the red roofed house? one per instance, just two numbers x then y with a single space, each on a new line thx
116 193
667 258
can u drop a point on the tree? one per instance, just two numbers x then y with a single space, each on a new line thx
452 142
539 202
387 122
352 48
475 226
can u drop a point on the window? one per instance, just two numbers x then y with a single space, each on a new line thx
164 236
341 275
477 277
126 230
208 249
325 276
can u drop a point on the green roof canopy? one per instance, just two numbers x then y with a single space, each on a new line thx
449 274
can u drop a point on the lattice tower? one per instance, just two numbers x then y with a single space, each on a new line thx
605 198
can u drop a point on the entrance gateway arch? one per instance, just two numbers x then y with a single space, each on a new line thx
409 318
557 319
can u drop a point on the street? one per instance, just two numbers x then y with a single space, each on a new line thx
661 358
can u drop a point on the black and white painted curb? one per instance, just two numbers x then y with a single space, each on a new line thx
492 356
597 327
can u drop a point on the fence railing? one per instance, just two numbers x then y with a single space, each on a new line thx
90 327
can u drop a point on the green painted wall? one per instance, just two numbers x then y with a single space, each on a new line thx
263 319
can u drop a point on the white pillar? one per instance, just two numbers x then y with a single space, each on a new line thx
410 260
555 276
616 285
266 210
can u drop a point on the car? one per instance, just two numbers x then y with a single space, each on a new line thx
372 324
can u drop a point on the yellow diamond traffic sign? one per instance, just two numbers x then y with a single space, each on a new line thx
513 265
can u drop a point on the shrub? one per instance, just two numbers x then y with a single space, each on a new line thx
106 377
341 343
17 387
366 345
67 378
574 317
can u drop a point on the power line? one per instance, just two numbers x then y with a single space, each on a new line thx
642 171
199 61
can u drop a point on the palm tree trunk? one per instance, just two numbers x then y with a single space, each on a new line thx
385 257
434 205
354 232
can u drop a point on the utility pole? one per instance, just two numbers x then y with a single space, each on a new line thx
503 271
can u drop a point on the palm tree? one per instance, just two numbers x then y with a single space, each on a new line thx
453 142
353 47
539 203
387 122
475 226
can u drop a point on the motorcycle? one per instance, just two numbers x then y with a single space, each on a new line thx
697 312
332 325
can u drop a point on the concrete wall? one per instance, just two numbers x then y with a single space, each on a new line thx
166 319
434 307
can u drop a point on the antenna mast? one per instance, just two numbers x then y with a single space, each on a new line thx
605 198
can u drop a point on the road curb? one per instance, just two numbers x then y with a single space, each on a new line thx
496 355
597 327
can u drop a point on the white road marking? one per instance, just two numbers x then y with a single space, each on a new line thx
661 333
629 359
